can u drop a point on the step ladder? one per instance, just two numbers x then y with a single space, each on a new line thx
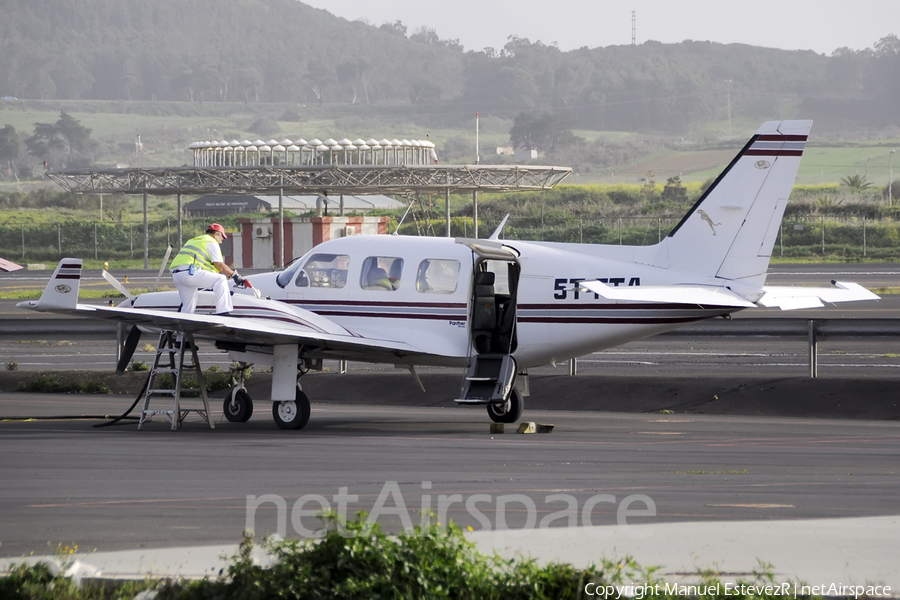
170 359
489 380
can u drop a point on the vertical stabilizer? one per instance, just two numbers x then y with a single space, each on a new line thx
731 230
61 292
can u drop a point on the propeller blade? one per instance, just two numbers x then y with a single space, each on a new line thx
131 342
162 268
118 286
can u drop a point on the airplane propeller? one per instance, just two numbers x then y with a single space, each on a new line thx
128 348
115 283
162 268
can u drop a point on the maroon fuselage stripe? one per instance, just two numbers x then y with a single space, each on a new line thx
376 304
635 306
329 313
613 320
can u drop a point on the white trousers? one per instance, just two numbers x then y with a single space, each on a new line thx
188 286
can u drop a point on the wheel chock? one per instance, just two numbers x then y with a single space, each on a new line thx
496 427
545 427
527 427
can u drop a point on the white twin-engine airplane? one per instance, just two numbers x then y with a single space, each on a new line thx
495 307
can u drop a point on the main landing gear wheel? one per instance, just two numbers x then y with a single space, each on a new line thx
292 415
509 411
238 406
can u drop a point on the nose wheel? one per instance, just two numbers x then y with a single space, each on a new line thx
238 406
292 414
509 411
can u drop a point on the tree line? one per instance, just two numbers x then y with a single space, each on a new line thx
284 51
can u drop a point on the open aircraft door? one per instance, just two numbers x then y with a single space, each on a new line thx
491 374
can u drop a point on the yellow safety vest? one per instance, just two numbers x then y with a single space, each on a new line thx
194 252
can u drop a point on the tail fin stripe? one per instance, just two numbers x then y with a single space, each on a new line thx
775 137
773 153
777 145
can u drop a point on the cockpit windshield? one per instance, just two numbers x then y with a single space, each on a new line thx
286 276
319 270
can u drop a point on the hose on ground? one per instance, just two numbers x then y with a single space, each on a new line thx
107 420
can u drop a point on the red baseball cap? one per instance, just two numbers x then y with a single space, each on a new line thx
219 228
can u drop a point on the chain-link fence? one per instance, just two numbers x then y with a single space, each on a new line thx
104 240
851 237
799 236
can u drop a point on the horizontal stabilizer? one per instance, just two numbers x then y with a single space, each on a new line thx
669 294
61 292
793 298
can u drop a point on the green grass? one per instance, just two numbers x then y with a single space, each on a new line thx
820 165
83 294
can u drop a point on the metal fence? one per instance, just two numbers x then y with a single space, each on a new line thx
799 236
103 240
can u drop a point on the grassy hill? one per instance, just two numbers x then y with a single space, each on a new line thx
167 128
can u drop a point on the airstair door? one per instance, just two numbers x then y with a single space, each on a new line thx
492 329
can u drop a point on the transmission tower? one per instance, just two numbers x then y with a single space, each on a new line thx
633 28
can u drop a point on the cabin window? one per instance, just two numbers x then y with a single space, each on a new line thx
324 270
500 269
437 276
381 273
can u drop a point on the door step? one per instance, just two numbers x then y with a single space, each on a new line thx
489 380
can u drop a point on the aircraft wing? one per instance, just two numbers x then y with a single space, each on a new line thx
792 298
263 322
257 331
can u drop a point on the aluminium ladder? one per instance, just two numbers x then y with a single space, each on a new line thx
170 359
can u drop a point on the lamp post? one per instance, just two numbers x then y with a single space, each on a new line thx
890 179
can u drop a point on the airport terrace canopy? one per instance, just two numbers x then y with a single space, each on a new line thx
316 179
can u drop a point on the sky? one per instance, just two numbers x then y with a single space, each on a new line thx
818 25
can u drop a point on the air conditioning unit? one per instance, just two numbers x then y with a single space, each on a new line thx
262 231
347 231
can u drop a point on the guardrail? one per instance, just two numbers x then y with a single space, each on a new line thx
812 329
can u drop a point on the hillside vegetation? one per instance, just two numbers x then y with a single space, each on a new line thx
263 51
144 80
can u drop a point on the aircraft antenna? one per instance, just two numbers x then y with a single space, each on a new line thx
499 230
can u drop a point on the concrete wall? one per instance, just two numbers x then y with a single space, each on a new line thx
255 246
